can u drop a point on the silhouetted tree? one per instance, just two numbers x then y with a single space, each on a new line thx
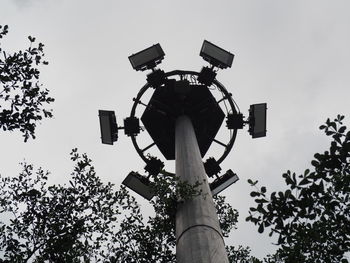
22 98
154 240
312 216
88 221
59 223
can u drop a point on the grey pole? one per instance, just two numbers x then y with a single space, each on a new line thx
198 233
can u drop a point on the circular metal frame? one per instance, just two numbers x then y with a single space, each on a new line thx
193 75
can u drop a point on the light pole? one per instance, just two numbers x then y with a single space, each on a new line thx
198 233
183 118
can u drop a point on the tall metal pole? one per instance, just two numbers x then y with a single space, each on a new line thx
198 234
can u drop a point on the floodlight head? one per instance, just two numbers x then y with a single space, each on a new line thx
223 182
108 126
257 120
139 184
216 56
212 167
147 58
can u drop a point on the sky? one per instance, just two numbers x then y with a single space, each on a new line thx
293 55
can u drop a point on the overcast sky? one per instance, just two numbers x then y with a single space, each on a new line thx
294 55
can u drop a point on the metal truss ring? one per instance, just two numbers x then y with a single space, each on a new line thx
192 75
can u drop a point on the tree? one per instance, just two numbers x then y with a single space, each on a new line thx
154 240
312 216
59 223
23 98
87 220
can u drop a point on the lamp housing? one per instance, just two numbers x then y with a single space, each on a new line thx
147 58
257 120
108 126
139 184
216 56
220 184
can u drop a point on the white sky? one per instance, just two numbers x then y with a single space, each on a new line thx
294 55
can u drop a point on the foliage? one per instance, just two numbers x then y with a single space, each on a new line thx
311 217
137 241
88 221
240 255
228 217
59 223
23 98
155 240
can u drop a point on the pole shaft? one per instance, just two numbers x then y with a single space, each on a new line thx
198 233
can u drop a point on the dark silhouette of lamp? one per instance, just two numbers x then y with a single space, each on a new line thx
139 184
216 56
147 58
257 120
108 126
221 183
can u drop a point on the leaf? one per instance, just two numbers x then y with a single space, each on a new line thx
315 163
261 200
304 181
289 181
342 129
31 39
261 228
254 194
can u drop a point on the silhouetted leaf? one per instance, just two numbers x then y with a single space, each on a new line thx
261 228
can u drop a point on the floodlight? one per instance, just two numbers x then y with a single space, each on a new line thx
212 167
131 126
147 58
257 120
215 55
139 184
206 76
108 126
223 182
235 121
154 166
